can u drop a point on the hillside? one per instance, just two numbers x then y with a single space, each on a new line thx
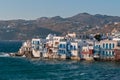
78 23
22 30
108 28
41 27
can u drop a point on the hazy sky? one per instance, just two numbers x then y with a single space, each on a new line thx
32 9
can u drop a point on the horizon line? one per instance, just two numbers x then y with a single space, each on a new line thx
59 16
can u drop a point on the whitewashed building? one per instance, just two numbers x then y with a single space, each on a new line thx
37 47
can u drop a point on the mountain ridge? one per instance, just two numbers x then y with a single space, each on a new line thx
26 29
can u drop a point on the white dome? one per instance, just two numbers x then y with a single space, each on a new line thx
50 36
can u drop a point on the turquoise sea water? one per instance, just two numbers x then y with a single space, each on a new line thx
12 68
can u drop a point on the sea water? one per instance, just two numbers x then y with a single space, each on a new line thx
16 68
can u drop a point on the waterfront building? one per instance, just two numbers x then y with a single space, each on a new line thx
105 49
56 41
37 47
52 45
117 53
26 47
74 47
87 52
25 50
63 49
69 48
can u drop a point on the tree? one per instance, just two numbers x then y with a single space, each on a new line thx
98 37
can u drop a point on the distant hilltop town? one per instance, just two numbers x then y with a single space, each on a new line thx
104 47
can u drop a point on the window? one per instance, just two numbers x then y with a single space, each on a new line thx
63 45
32 46
71 47
110 46
112 53
106 45
103 45
59 51
99 46
36 42
74 47
36 47
106 53
113 45
118 43
64 51
103 53
60 45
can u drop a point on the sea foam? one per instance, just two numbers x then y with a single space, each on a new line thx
4 54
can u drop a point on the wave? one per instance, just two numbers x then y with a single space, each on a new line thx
2 54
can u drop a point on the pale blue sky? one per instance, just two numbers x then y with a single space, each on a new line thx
32 9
